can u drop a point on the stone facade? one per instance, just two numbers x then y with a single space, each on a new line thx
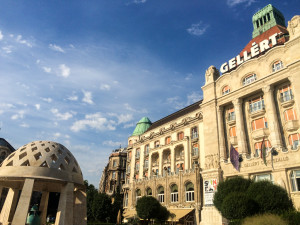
255 101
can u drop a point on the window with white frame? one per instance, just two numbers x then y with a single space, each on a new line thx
194 132
174 193
260 177
295 180
161 194
114 163
147 149
146 164
231 114
249 79
277 66
189 192
294 140
256 104
286 93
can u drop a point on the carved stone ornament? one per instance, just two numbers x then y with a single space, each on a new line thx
211 74
199 115
162 130
185 121
173 125
151 135
212 161
294 26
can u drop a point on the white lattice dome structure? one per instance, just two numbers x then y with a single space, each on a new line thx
42 159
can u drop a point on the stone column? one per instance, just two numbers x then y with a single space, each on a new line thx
223 155
160 162
44 206
172 159
23 204
240 129
273 125
79 216
142 158
150 165
64 215
9 206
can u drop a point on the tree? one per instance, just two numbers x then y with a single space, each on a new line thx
147 208
162 215
237 184
102 208
117 205
269 197
91 193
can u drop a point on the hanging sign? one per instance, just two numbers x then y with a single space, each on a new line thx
210 187
255 50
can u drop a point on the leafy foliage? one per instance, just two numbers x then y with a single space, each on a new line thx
102 207
162 215
237 184
270 198
292 216
238 205
91 193
147 207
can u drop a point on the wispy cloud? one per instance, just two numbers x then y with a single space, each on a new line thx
37 106
25 125
193 97
87 97
22 41
139 1
94 121
64 70
122 118
47 69
73 98
19 115
1 35
112 143
61 116
197 29
105 87
189 76
7 49
232 3
56 48
49 100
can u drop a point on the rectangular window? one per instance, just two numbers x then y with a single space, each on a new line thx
189 196
194 132
249 79
232 131
231 114
168 140
256 104
195 151
180 136
259 123
295 180
286 93
263 177
277 66
146 164
174 197
290 114
294 140
161 198
114 163
137 167
113 175
137 155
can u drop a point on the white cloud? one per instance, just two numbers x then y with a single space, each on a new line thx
38 61
1 35
19 115
24 125
57 48
7 49
112 143
94 121
139 1
49 100
61 116
87 97
37 106
122 118
47 69
64 70
198 29
22 41
232 3
189 76
105 87
129 125
193 97
73 98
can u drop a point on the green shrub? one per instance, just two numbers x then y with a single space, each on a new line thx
238 205
265 219
237 184
293 217
270 198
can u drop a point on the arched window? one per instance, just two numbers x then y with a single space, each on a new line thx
168 140
149 192
277 66
249 79
225 90
294 140
189 192
174 193
138 194
161 194
180 136
156 144
295 180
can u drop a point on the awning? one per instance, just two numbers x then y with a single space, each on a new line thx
129 214
179 213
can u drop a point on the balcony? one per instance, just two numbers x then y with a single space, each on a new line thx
167 161
291 125
287 100
257 111
179 158
233 140
231 119
260 133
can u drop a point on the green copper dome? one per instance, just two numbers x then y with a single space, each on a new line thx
142 126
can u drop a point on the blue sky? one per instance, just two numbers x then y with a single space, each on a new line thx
82 73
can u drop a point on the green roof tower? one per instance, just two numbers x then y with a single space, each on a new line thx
265 19
142 126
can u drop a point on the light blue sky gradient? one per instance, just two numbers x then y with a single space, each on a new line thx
82 73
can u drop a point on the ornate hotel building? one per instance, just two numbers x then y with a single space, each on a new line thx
181 158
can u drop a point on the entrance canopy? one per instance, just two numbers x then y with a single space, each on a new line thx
180 213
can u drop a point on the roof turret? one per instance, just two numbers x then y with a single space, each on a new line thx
142 126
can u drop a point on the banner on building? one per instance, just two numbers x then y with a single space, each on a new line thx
210 187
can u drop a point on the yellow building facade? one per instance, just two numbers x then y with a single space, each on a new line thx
181 158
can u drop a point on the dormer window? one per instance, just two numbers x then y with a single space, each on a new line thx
225 90
277 66
249 79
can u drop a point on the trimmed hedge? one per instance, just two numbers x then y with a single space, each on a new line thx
270 198
293 217
265 219
238 205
